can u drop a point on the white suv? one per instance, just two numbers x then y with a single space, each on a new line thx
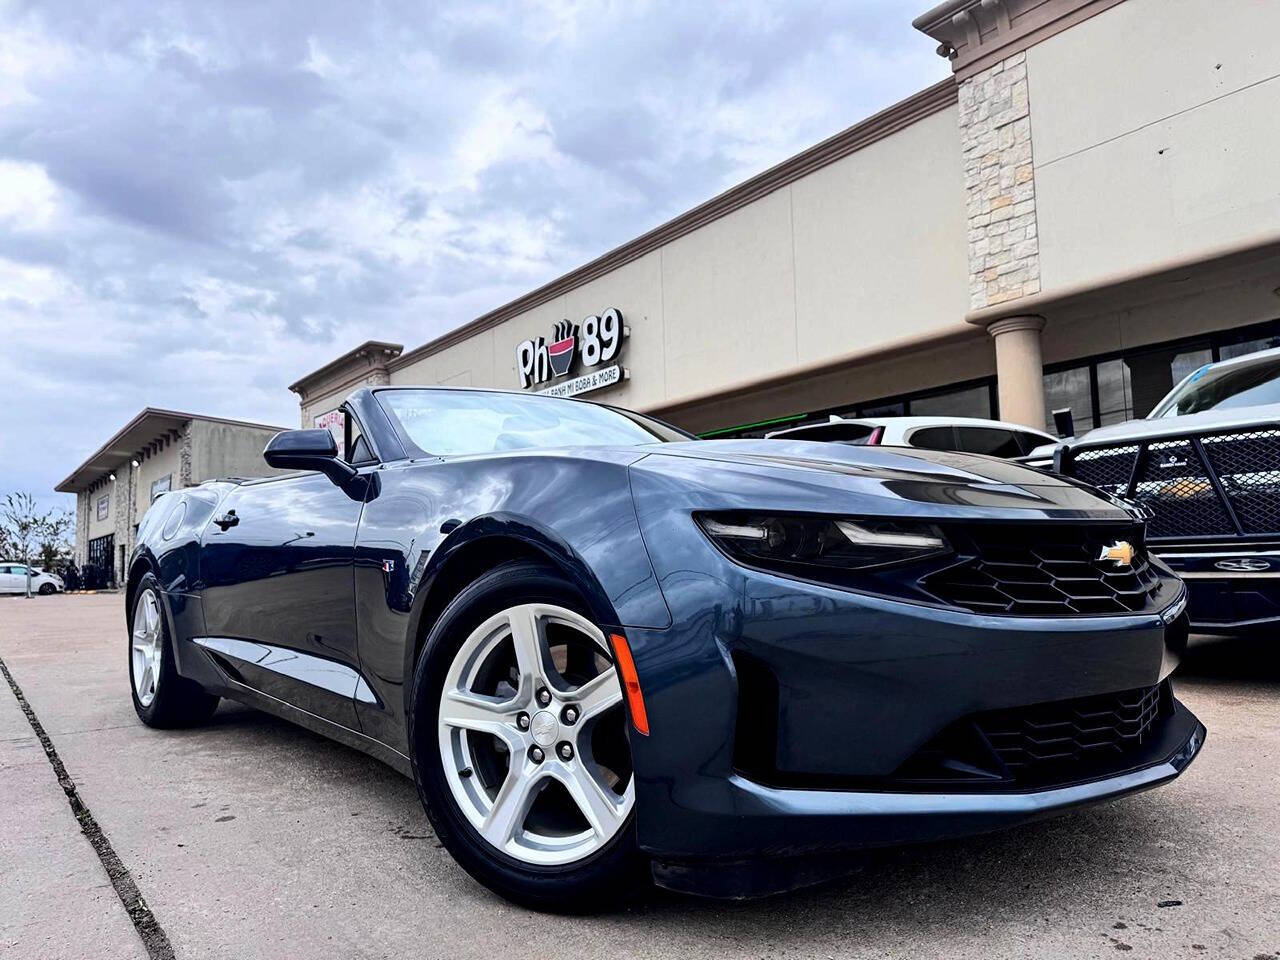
13 579
994 438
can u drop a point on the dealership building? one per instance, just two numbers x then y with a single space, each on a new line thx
155 452
1087 210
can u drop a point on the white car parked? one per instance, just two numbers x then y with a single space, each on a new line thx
13 579
995 438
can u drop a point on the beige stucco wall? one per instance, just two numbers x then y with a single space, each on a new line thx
1248 300
1155 135
729 299
211 450
228 450
880 242
919 369
166 461
868 250
100 528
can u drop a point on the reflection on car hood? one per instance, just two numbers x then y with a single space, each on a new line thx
1263 415
775 469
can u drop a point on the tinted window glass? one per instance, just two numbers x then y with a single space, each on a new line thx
1230 350
1153 373
883 410
1069 390
1243 385
970 402
934 438
1115 394
989 441
1029 441
357 448
457 422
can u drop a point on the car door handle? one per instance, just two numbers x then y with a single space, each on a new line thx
227 520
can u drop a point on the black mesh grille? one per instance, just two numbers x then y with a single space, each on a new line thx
1039 739
1173 482
1248 466
1107 467
1183 482
1061 573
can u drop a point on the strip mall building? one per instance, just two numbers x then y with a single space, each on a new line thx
1086 211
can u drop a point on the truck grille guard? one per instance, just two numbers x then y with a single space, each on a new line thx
1206 485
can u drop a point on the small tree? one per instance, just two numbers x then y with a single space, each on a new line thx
28 534
55 547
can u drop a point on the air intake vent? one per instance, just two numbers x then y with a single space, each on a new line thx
755 737
1033 740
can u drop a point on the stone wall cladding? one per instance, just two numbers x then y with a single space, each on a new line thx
122 499
999 182
82 528
184 457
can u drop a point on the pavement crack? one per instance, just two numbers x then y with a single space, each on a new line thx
144 921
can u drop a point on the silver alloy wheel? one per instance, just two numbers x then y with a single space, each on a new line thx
148 647
538 779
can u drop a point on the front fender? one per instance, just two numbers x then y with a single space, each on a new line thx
486 542
434 528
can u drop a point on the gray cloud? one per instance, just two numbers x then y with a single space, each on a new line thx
201 201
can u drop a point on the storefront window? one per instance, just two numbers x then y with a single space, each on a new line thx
1153 373
1069 390
1129 385
968 402
1115 394
970 399
1229 350
897 409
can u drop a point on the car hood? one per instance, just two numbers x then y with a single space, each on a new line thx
804 475
1209 420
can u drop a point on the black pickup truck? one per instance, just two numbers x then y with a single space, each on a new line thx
1205 466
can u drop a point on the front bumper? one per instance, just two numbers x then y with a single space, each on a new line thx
1232 588
862 688
862 685
811 829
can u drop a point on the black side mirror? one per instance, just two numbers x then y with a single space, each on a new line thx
308 450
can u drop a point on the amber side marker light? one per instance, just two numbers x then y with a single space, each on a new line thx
630 683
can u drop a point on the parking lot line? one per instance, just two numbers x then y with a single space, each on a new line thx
148 927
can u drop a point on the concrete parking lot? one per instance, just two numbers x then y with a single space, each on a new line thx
253 838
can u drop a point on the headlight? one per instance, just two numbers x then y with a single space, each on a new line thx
793 543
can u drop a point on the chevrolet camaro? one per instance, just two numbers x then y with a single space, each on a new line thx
611 655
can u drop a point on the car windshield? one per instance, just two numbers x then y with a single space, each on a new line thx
457 422
1236 385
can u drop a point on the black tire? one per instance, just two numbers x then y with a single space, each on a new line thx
178 701
604 880
46 589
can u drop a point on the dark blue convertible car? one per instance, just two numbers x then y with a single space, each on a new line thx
610 655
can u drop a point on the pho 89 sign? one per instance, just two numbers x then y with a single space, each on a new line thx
593 344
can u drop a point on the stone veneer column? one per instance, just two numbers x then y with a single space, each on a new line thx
122 494
82 527
999 182
1019 369
184 456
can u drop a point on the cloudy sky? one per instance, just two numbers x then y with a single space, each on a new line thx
199 202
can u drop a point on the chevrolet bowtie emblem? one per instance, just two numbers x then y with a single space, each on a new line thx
1121 552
